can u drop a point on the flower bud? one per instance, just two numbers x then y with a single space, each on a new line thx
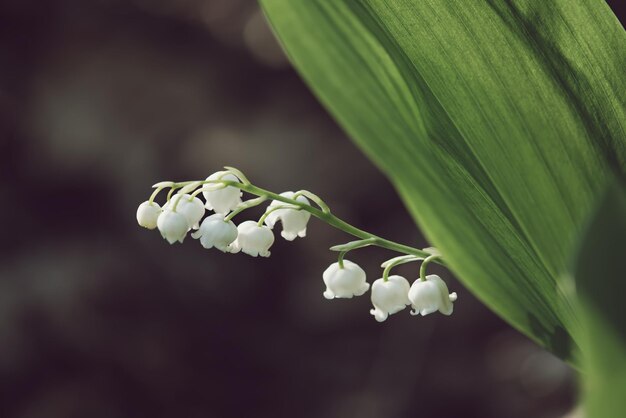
293 220
192 210
431 295
147 214
172 225
216 232
344 282
252 239
222 200
389 297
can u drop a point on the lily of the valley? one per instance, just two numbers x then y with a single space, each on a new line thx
191 208
222 200
216 232
431 295
389 296
172 225
147 214
294 221
253 239
344 282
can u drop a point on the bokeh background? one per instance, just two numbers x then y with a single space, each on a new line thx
100 318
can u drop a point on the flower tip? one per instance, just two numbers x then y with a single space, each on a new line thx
287 235
364 288
452 297
329 295
427 311
379 315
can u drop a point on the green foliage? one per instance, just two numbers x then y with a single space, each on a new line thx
499 122
600 272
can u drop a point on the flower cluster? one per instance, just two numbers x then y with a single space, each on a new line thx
390 294
183 212
222 191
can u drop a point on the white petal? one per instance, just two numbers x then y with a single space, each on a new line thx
294 221
147 214
254 240
345 282
192 210
173 226
431 295
379 314
389 297
216 232
223 200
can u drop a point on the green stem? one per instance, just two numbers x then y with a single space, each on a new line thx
329 218
333 221
180 196
342 254
349 246
427 261
275 208
155 193
389 264
318 201
249 204
175 186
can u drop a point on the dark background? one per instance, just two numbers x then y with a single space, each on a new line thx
101 318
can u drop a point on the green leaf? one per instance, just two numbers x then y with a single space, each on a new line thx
600 272
499 122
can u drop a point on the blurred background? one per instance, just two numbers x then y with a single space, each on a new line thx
101 318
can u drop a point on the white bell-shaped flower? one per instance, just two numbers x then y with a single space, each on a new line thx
344 282
294 221
389 297
216 232
222 200
191 208
253 239
172 225
147 214
431 295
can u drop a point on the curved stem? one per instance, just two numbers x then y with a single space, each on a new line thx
342 254
155 193
336 222
329 218
175 186
318 201
275 208
179 196
427 261
349 246
249 204
389 264
237 174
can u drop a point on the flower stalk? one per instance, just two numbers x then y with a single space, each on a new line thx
184 211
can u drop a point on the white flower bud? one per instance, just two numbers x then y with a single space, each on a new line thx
253 240
172 225
223 200
192 210
344 282
389 297
147 214
431 295
294 221
216 232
